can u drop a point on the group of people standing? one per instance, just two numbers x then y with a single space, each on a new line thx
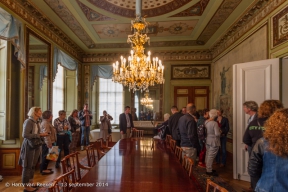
64 133
266 138
199 133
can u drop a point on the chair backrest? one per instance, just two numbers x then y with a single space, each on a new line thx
215 186
71 162
91 155
178 152
168 137
187 163
63 183
108 140
172 145
100 144
138 133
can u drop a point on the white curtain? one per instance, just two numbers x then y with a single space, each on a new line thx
58 92
110 98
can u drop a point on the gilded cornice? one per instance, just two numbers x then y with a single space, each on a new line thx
251 18
201 55
28 12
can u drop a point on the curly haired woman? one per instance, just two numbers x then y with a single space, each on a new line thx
269 158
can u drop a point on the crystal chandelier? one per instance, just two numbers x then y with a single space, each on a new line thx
146 101
138 72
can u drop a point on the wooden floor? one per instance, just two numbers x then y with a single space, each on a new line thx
7 184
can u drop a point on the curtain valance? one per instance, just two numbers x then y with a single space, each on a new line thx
13 30
102 71
65 61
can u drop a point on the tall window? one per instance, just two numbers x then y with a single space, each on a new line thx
58 92
110 98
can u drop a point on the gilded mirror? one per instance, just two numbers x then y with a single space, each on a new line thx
38 71
151 110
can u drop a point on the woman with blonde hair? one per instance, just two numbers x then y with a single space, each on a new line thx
75 129
269 157
30 153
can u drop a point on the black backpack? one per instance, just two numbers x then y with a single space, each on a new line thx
202 132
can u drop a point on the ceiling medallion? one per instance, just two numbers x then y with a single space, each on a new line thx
138 72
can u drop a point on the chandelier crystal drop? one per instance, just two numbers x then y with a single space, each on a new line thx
139 71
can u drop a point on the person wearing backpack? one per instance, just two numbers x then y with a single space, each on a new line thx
201 131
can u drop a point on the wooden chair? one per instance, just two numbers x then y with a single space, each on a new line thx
215 186
71 162
100 153
99 144
109 142
168 137
187 163
91 155
63 183
137 133
172 145
178 152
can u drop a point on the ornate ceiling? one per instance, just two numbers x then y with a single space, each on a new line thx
90 28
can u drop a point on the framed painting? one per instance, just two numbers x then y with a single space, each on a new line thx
193 71
280 27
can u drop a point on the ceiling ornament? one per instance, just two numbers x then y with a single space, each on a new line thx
92 15
138 72
68 18
224 11
130 13
178 28
146 101
195 10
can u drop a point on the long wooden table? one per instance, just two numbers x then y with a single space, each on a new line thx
137 165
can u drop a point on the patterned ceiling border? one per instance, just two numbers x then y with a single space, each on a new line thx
152 44
259 11
38 58
34 17
203 55
68 18
92 15
195 10
224 11
103 4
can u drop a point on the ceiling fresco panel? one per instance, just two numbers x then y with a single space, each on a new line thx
92 15
195 10
152 8
160 29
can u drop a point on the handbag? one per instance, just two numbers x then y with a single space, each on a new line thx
53 153
35 142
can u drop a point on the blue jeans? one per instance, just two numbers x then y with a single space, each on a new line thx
223 140
85 134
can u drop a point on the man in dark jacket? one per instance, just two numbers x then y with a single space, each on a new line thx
126 123
173 124
188 132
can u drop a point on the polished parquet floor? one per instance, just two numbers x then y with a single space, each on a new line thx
6 185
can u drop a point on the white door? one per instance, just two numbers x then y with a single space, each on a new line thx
256 81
